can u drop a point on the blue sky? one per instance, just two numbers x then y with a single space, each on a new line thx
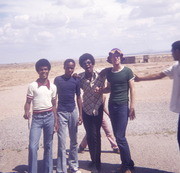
60 29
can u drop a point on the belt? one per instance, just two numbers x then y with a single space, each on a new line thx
42 113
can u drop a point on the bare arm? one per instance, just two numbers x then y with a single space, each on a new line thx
132 100
107 89
27 107
104 71
54 109
79 103
150 77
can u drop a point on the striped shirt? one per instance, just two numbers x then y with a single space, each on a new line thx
91 100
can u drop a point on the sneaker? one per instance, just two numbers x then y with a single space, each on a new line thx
81 149
116 150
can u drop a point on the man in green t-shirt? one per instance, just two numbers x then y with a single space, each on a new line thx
120 82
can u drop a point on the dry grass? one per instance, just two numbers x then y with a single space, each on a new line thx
20 74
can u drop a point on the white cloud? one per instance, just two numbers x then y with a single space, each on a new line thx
20 21
74 3
93 26
57 19
44 36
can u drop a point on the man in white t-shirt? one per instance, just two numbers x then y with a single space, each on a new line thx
174 73
42 95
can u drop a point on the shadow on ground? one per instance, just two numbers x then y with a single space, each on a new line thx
115 168
106 168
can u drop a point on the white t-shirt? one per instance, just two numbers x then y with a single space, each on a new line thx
41 96
174 73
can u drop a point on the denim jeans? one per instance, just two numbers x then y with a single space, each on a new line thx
41 121
92 126
108 133
119 120
67 120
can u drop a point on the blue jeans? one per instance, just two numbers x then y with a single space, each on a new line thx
67 120
41 121
119 120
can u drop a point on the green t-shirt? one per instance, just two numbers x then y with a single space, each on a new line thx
119 82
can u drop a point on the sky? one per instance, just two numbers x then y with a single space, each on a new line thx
60 29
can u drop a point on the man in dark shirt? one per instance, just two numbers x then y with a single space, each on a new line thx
67 87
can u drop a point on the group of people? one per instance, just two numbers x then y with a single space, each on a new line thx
50 117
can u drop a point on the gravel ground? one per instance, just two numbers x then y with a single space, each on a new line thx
151 136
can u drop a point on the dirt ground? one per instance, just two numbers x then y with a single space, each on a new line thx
151 136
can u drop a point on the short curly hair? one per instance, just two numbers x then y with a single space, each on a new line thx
68 61
42 63
84 57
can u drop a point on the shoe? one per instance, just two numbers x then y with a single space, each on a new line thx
81 149
116 150
125 170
